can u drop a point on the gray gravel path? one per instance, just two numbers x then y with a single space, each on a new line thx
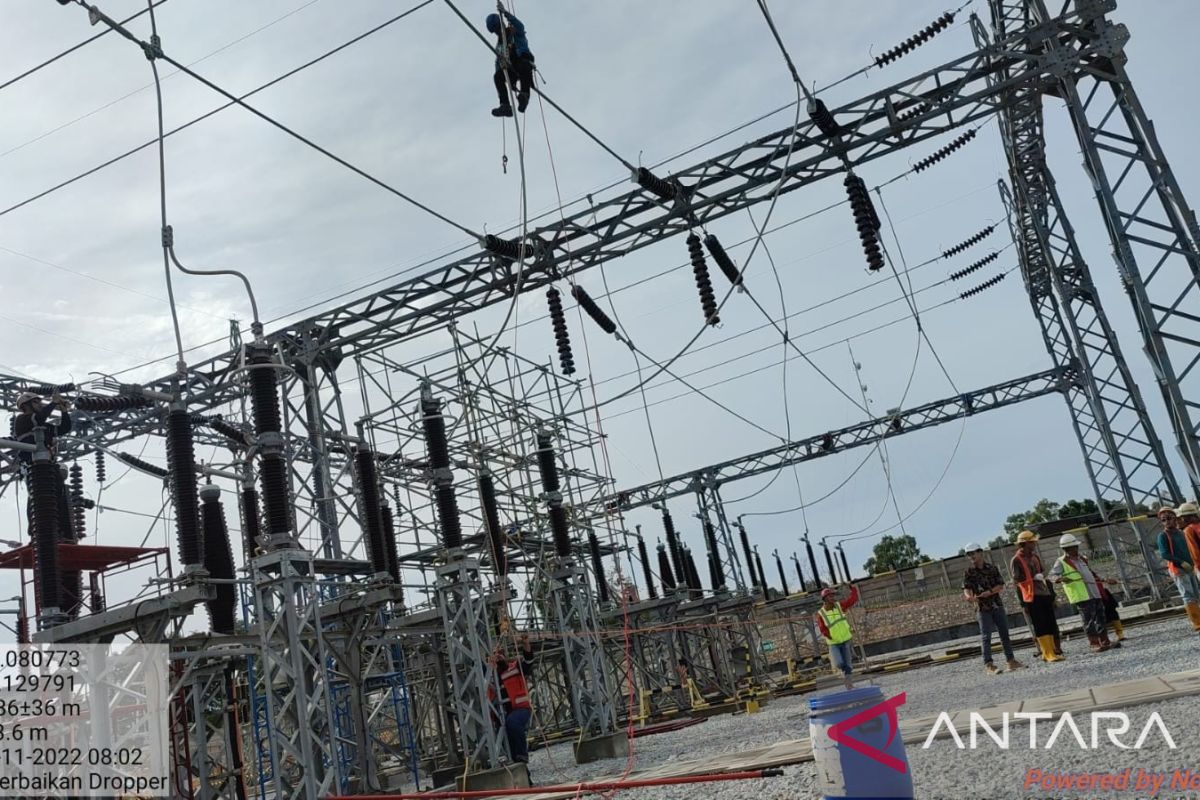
943 772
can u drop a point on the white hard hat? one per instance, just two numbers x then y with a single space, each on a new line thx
26 397
1188 509
1068 540
972 547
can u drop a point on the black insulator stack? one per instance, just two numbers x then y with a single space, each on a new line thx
491 518
913 42
800 573
714 571
434 426
372 521
22 625
664 190
782 576
989 283
562 337
389 541
101 472
273 474
43 492
251 524
755 578
218 561
812 564
647 572
845 564
929 161
674 547
273 469
47 389
143 465
865 219
78 509
447 505
598 566
978 265
182 463
710 539
968 243
664 570
111 404
693 575
505 248
819 113
708 300
594 311
234 434
96 601
829 563
762 575
71 581
717 251
264 397
548 469
914 111
438 449
547 466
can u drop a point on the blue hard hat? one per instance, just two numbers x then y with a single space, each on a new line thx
493 23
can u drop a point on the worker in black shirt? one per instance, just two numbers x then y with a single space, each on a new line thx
32 411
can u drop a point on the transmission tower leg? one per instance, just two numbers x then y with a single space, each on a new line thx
293 674
587 674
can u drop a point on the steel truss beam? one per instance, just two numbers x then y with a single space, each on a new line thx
583 656
872 431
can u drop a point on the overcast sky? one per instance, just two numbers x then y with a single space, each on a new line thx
82 269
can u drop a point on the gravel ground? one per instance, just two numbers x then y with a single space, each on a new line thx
943 772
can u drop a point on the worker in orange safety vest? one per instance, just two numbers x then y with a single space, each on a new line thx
514 698
1037 597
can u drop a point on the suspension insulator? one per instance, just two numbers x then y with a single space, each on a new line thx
143 465
235 435
447 505
929 161
664 570
389 541
562 337
547 465
913 42
821 116
978 265
101 469
594 311
598 567
968 243
674 546
509 249
218 561
717 251
708 300
989 283
647 573
78 509
263 395
664 190
491 518
46 389
434 426
913 111
368 495
111 404
182 463
43 493
251 521
865 219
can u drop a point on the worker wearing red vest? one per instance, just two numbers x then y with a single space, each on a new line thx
1036 595
514 698
835 628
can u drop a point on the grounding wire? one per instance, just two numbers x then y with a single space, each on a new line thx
157 53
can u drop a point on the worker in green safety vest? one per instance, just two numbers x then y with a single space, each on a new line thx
835 627
1079 584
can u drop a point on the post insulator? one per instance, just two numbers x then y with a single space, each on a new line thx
717 251
693 574
929 161
710 539
547 465
372 521
664 190
598 566
43 493
71 594
782 576
708 300
967 243
251 523
674 546
182 465
762 575
821 116
562 337
434 425
438 449
264 398
755 578
548 469
23 625
594 311
664 569
800 573
913 42
218 561
491 518
389 541
866 220
647 573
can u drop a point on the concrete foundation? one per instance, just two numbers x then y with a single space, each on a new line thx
514 776
613 745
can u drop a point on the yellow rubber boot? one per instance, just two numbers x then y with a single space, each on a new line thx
1118 628
1193 612
1047 645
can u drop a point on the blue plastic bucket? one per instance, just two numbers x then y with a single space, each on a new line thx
878 768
